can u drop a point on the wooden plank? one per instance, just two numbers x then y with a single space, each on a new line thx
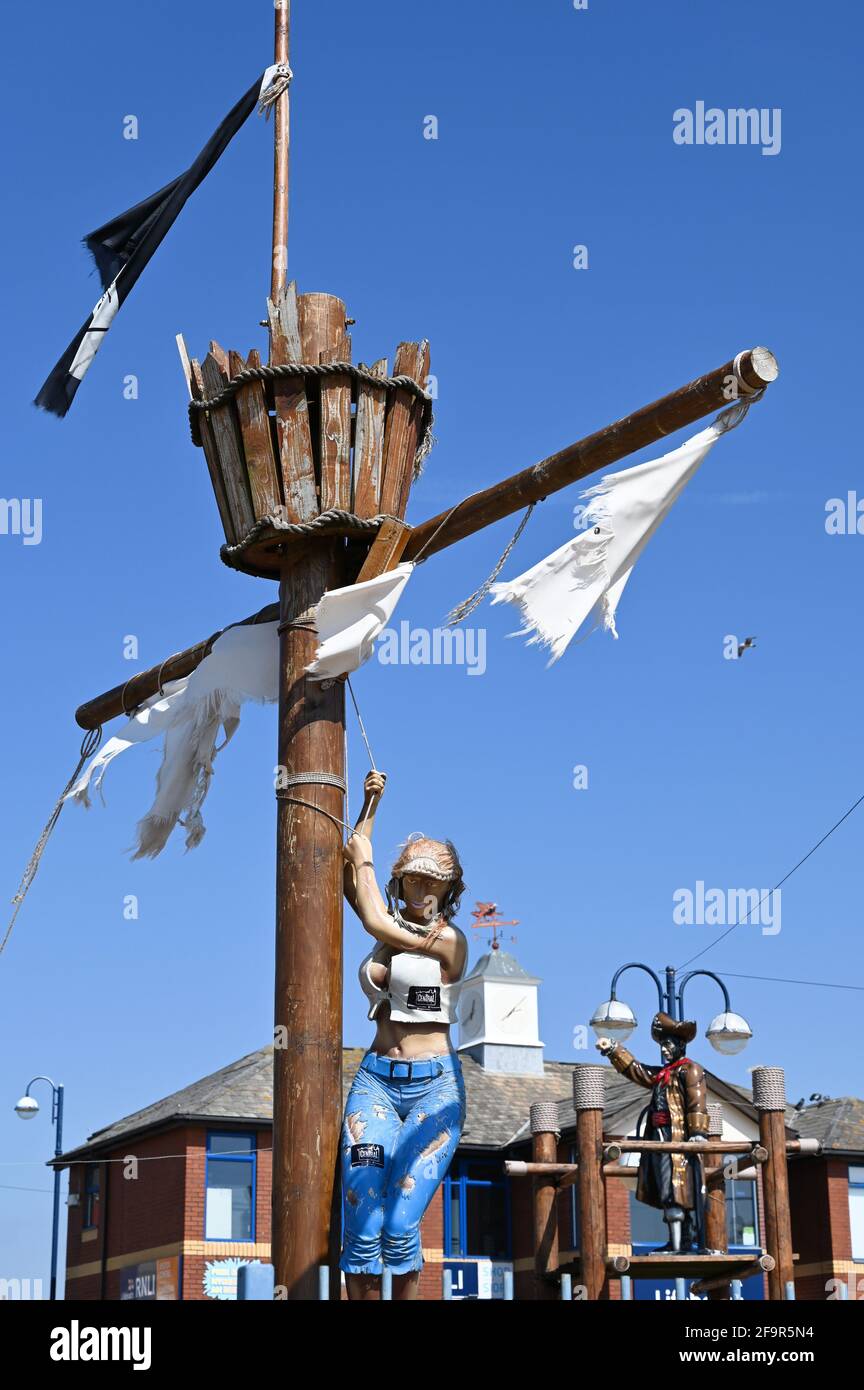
296 461
184 361
196 386
402 429
369 443
386 550
257 440
229 445
336 431
323 339
220 356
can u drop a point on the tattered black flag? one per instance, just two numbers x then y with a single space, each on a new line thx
122 248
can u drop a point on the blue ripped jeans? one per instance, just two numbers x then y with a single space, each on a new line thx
398 1137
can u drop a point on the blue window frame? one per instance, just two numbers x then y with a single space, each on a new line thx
91 1195
477 1210
230 1186
574 1202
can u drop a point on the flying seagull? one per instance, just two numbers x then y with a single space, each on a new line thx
742 646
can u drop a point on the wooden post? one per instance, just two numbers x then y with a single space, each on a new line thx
588 1096
307 1056
544 1129
307 1053
769 1097
281 154
716 1236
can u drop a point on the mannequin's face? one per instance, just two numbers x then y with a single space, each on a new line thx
423 896
671 1049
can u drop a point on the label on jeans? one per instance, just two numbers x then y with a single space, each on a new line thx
367 1155
424 996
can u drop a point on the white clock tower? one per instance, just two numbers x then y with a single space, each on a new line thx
499 1022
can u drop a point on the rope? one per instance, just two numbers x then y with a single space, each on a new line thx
360 722
335 519
315 370
296 801
325 779
467 606
89 744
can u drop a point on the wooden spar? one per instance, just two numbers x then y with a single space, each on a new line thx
756 369
281 154
672 412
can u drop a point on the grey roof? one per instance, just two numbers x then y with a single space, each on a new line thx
498 1105
500 965
838 1123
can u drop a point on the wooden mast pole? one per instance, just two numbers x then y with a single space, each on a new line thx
281 154
307 1052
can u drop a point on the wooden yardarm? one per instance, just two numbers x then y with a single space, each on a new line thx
279 453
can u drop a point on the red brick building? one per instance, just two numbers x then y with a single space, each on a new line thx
166 1202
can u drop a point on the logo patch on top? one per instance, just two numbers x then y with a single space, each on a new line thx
424 996
367 1155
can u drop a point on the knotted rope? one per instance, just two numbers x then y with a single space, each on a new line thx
467 606
320 370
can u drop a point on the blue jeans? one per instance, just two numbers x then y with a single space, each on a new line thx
398 1137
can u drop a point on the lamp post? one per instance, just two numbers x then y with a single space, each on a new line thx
26 1109
728 1032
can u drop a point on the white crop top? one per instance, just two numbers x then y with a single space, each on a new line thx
415 991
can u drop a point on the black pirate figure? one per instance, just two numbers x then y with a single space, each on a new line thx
677 1110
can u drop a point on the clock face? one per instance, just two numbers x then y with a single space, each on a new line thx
470 1015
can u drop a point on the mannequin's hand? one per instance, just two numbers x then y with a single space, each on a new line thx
604 1045
374 784
358 849
698 1138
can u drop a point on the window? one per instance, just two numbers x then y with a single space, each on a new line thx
230 1183
856 1211
476 1210
574 1202
742 1227
91 1194
647 1227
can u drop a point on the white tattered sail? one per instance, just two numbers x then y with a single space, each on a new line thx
243 665
349 620
586 577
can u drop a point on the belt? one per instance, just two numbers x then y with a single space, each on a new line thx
400 1069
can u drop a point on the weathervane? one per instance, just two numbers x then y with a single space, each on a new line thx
486 915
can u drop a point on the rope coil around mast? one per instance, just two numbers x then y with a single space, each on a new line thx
319 370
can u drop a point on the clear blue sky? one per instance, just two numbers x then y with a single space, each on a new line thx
555 128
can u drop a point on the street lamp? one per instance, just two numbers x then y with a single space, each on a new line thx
727 1033
26 1109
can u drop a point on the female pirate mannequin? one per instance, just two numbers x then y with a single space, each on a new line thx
406 1108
